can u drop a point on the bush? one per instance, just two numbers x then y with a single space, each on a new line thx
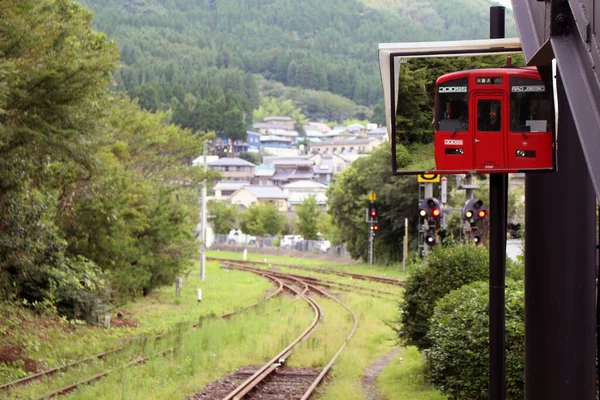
458 358
443 270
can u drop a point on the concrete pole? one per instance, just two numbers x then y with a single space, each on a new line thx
203 223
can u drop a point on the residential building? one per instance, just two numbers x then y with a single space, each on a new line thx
200 160
299 191
291 168
224 189
328 165
249 195
263 175
351 146
234 169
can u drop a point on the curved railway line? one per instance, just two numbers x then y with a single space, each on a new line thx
274 371
51 371
282 388
381 279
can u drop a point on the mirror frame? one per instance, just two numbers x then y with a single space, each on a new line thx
390 55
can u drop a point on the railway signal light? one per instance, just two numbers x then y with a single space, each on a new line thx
430 207
430 238
372 213
476 239
473 210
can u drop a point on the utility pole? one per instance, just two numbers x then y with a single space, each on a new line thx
203 222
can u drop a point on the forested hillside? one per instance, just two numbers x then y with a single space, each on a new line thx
170 48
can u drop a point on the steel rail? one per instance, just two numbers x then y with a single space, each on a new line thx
272 364
382 279
318 281
326 369
73 386
52 371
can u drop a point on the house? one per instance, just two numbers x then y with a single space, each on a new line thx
291 168
249 195
198 162
224 189
270 125
299 191
328 165
263 175
352 146
234 169
379 133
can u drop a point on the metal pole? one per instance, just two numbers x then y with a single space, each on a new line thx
203 223
370 245
560 272
498 205
405 255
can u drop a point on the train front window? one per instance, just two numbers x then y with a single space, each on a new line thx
452 106
489 115
530 105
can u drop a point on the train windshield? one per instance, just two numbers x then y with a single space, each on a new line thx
530 105
452 106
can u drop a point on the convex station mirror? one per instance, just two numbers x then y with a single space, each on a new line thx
466 107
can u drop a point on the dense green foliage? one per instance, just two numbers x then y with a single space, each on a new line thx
445 269
167 46
92 189
262 219
457 361
308 217
396 199
223 216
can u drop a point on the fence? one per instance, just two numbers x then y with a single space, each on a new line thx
274 243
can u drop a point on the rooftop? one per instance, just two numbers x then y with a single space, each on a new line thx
277 118
302 184
230 185
265 192
235 161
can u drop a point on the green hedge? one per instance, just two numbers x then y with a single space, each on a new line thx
443 270
458 358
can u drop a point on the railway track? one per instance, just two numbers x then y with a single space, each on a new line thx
271 381
51 371
381 279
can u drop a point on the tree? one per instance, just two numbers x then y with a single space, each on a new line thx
222 215
275 107
396 196
308 213
262 219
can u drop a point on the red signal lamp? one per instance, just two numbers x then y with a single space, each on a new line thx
481 214
436 212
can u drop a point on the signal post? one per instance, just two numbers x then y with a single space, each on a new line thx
373 224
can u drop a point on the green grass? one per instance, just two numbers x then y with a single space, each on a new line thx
404 379
200 355
55 342
391 270
218 346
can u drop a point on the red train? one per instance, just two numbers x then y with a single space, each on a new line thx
493 120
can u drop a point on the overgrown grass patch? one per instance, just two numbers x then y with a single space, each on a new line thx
54 341
205 354
405 379
390 270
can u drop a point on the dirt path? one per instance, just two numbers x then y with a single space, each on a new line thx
373 372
